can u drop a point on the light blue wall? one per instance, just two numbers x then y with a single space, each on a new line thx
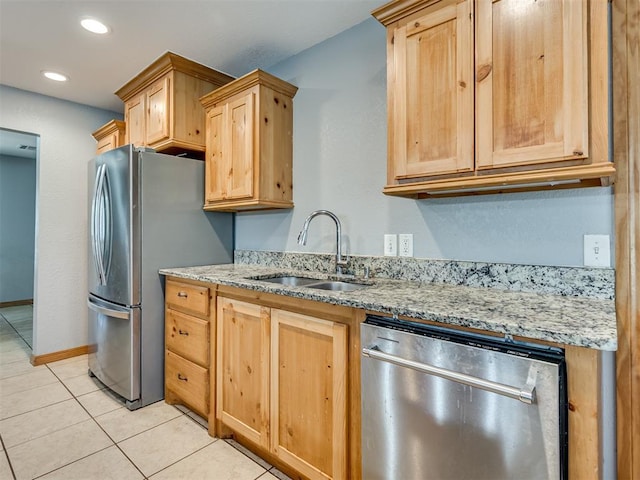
66 146
17 227
340 165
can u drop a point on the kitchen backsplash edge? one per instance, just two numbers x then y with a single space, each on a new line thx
564 281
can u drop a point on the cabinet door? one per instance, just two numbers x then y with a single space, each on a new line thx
240 155
107 143
531 81
135 118
431 95
158 114
216 166
230 156
243 369
308 394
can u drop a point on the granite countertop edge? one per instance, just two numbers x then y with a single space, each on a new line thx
575 321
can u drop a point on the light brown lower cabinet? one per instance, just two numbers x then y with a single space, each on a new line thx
243 369
283 375
308 393
187 375
282 385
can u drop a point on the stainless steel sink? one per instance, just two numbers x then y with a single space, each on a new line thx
337 286
332 285
291 281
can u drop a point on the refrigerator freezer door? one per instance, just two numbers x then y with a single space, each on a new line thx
114 226
114 347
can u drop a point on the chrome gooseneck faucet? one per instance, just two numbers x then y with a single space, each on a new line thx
302 237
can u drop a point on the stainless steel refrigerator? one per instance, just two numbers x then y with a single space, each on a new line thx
145 214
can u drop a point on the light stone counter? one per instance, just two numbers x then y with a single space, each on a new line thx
571 320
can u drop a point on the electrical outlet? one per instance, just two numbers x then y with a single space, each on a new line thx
390 245
405 244
597 252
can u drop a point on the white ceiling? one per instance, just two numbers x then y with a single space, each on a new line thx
233 36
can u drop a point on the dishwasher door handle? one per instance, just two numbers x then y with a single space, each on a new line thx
527 394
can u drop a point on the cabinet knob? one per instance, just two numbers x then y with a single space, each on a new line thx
183 294
184 379
183 332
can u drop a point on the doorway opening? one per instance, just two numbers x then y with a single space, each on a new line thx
18 174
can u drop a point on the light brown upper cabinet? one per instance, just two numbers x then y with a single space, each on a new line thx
111 135
432 94
162 105
496 95
249 144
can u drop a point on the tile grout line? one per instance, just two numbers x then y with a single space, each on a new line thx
16 330
91 417
6 454
34 409
48 433
127 457
99 426
116 444
70 463
73 397
215 439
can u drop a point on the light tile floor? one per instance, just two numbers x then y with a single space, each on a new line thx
58 423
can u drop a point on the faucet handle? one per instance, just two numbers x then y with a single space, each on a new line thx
343 262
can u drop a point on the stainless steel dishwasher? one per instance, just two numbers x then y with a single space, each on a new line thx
441 404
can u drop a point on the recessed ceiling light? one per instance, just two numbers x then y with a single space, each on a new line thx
58 77
94 25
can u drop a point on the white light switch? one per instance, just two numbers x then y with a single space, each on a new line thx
597 252
390 245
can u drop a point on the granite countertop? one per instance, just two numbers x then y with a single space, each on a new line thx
578 321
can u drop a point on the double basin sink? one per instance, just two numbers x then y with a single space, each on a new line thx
332 285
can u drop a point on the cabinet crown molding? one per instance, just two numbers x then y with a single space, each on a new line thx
112 126
398 9
166 63
251 79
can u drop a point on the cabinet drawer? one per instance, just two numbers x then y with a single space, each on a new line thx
187 298
187 336
188 381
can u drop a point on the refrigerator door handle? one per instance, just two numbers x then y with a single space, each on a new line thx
101 228
527 394
95 244
108 311
108 229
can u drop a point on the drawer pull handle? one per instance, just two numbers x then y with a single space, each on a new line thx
183 294
184 379
183 332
